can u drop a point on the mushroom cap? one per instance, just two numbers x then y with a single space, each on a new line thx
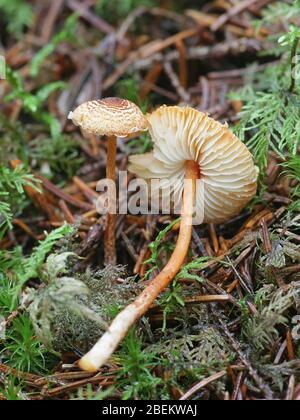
109 117
228 176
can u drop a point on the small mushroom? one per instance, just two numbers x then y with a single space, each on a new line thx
111 117
192 154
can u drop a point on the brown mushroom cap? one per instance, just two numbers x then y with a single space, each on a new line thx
110 117
228 177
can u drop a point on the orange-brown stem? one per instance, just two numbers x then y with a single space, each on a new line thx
107 344
161 281
110 230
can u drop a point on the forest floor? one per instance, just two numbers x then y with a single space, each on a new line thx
228 327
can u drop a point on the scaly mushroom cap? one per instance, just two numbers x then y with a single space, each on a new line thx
109 117
228 177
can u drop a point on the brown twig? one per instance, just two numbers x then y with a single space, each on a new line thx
64 196
253 372
96 21
183 71
239 8
203 384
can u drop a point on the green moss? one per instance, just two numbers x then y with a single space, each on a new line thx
71 313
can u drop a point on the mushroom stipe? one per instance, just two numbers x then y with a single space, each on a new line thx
108 343
110 228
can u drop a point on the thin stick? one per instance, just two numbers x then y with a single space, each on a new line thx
239 8
26 228
146 51
107 344
88 192
110 230
183 72
183 94
64 196
207 299
150 79
85 13
67 212
203 383
214 238
290 347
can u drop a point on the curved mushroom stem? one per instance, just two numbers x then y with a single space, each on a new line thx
107 344
110 229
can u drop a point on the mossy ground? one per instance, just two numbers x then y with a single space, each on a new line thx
234 307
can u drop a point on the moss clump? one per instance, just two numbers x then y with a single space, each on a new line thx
70 313
207 348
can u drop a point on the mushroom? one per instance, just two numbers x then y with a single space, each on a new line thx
205 156
227 172
111 117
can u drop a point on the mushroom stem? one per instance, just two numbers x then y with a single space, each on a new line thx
110 230
107 344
